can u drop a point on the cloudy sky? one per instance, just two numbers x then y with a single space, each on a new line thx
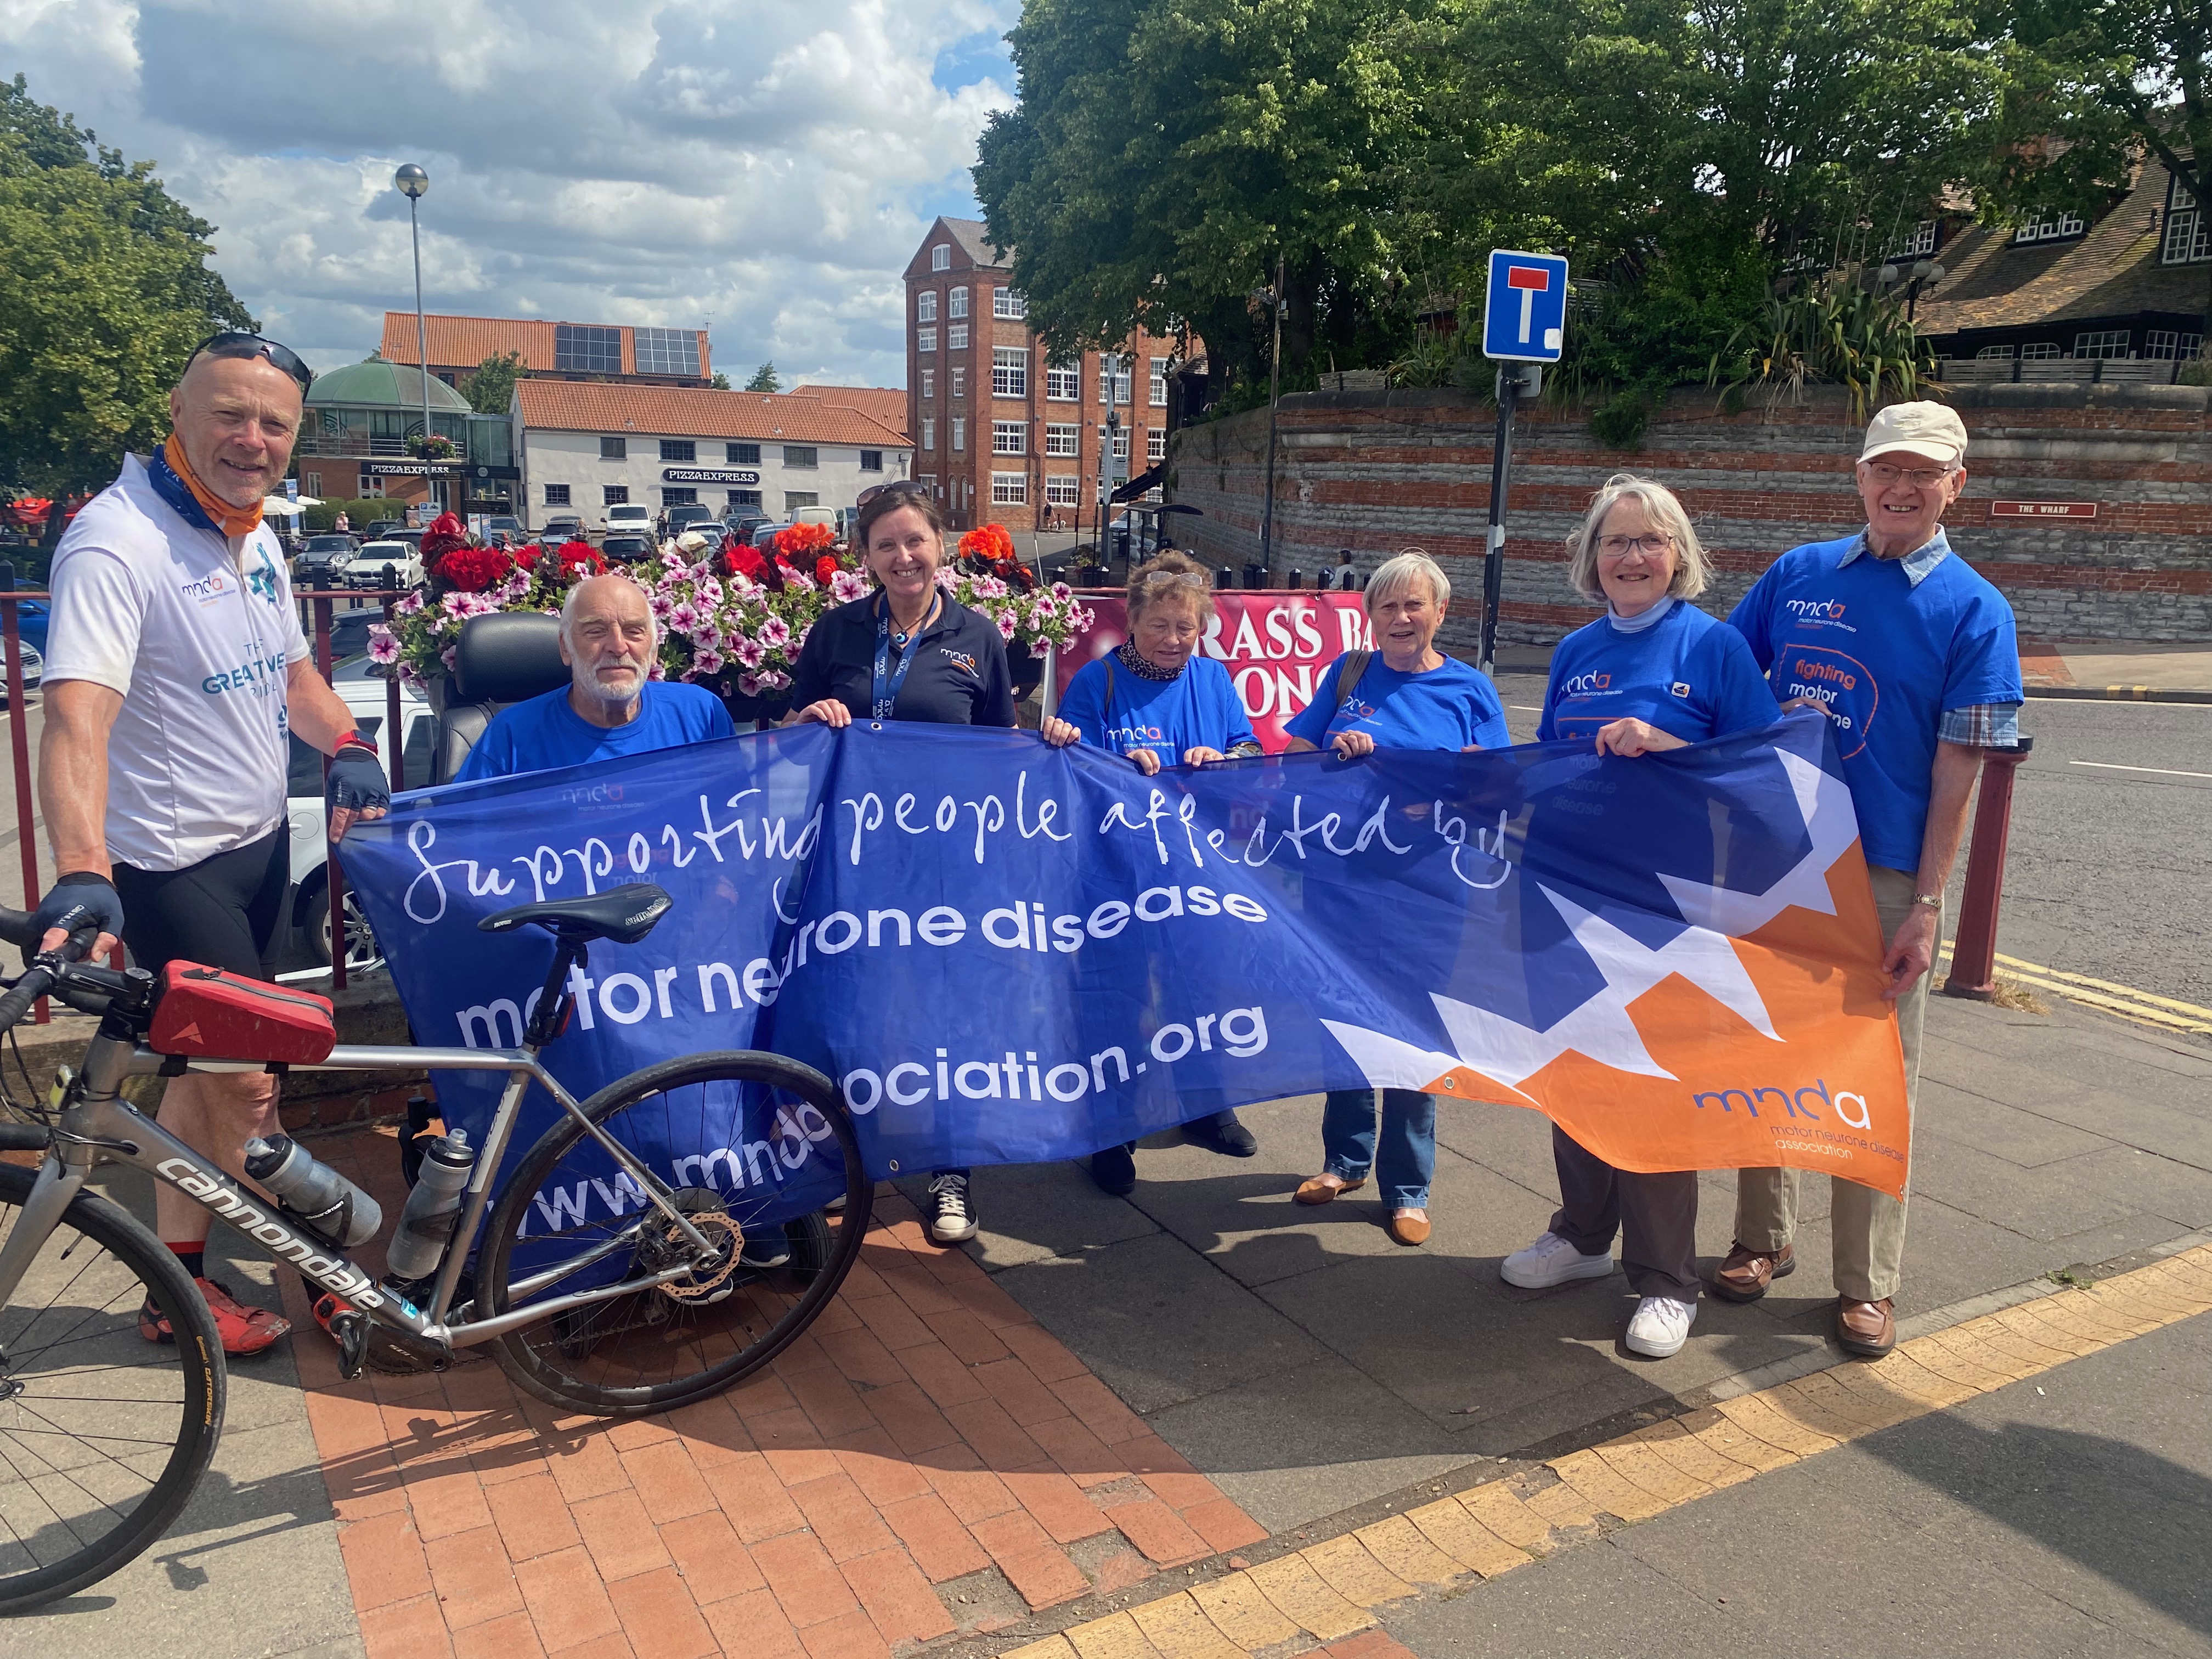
764 168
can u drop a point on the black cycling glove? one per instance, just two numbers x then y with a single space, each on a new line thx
356 780
81 899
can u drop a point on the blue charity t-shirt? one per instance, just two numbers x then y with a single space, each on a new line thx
1197 710
1687 673
1449 707
545 732
1887 656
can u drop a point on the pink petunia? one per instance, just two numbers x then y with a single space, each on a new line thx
1006 623
774 681
749 685
683 618
846 586
708 662
775 633
748 651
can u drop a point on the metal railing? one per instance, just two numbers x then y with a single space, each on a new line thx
319 612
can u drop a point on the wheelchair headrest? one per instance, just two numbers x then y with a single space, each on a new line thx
509 657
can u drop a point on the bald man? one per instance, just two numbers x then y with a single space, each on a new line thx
175 669
611 705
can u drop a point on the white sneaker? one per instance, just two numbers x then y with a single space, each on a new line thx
951 1220
1660 1326
1552 1260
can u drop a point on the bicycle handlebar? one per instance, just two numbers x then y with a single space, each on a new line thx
46 968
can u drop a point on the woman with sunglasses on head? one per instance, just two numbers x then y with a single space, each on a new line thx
1654 673
1156 701
907 651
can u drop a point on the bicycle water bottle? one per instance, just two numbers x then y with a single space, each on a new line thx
418 1243
330 1204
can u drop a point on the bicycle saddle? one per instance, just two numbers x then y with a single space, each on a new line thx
624 914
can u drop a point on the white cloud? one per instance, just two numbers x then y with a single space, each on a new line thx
770 164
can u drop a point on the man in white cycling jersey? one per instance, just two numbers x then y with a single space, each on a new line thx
176 668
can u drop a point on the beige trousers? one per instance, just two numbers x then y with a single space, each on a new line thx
1868 1226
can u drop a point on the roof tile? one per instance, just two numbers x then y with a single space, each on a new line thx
682 411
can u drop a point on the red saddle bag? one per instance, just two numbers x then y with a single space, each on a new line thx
222 1016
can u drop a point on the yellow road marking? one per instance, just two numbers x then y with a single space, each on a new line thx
2144 1007
1329 1590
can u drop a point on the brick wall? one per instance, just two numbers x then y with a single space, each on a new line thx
1379 471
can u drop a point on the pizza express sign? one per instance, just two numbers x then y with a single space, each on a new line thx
706 475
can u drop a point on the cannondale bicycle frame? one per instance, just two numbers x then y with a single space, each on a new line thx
96 1125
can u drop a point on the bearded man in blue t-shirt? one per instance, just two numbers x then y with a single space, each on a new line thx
1911 654
611 706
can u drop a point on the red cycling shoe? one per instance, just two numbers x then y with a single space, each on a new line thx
244 1330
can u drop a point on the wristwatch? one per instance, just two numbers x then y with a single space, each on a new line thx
1933 901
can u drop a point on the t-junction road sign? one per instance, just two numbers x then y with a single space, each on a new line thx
1524 318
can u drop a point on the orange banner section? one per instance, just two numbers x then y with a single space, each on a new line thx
1828 1095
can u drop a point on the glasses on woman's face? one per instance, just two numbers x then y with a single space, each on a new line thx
234 343
1651 545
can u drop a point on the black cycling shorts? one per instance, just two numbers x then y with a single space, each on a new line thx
222 911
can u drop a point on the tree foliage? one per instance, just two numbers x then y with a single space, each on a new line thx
490 390
104 291
2094 87
764 378
1167 153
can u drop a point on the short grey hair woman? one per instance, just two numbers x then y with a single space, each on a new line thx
1404 694
1654 673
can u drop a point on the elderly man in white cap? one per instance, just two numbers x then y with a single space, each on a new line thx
1910 653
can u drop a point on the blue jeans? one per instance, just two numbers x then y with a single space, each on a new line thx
1407 1157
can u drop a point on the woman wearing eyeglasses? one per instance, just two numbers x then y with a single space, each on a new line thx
1653 673
907 651
1158 701
1405 693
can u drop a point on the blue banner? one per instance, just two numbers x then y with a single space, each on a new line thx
1007 953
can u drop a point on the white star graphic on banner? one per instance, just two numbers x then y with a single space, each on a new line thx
1824 803
1510 1053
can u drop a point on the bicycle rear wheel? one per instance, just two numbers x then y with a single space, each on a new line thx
103 1434
758 1200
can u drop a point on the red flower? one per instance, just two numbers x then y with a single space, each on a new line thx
526 556
795 540
581 559
744 559
472 569
825 568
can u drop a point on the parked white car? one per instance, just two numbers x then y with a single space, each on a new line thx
630 521
308 906
366 568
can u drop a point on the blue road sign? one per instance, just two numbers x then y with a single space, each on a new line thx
1524 318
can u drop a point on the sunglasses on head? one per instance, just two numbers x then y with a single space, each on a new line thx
234 343
910 486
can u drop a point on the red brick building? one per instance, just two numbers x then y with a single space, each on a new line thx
1002 429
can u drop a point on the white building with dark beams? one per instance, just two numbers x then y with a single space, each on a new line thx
583 446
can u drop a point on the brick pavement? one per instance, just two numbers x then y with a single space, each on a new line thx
925 1460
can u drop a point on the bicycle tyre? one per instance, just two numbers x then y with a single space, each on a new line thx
152 1265
549 1369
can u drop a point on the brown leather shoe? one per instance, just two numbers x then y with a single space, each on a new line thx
1323 1188
1746 1274
1408 1229
1868 1329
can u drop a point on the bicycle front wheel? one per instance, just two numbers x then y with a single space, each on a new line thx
758 1151
103 1434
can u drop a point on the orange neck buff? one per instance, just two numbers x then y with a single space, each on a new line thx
231 520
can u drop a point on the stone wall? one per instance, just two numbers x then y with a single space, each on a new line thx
1380 470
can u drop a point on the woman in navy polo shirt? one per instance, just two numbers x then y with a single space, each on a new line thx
1653 673
907 651
1156 699
1405 693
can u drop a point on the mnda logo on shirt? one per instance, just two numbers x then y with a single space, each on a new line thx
961 658
1819 613
206 590
1583 685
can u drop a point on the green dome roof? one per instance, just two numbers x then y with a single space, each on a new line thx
380 385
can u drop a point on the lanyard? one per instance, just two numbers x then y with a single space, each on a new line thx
884 692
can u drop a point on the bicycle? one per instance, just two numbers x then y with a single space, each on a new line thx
103 1435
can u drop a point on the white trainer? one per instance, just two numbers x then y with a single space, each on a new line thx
1552 1260
1660 1326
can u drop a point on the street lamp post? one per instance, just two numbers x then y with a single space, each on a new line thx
411 182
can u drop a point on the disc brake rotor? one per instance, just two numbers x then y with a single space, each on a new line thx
661 1245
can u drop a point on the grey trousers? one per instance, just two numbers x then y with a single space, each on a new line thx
1657 1216
1867 1227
